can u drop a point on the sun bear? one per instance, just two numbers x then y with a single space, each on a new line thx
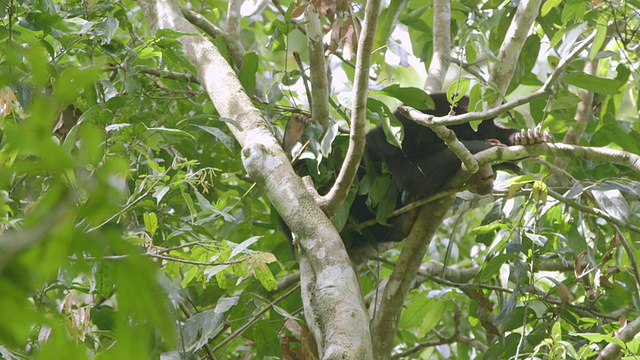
424 164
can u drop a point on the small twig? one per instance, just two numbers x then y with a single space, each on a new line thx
255 319
405 209
305 78
593 211
168 74
192 262
128 206
304 147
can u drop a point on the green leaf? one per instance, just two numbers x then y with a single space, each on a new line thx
169 34
521 179
383 196
573 10
601 35
548 5
160 192
612 201
423 313
247 74
390 124
593 83
151 223
491 268
507 311
262 272
458 89
265 337
596 338
410 96
489 228
327 139
612 133
147 52
344 99
202 327
569 37
220 135
291 78
240 248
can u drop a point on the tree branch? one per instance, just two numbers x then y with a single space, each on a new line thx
236 50
430 120
168 74
335 197
390 304
317 68
514 40
230 36
612 350
544 91
441 46
500 153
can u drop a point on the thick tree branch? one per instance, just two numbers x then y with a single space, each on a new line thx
510 153
441 46
509 53
232 28
612 350
430 120
449 137
340 189
230 36
604 155
390 304
331 292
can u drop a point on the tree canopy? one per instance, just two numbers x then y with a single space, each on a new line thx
144 187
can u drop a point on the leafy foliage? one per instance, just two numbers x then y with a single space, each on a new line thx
129 227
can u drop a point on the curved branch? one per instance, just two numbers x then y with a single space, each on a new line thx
544 91
430 120
449 137
340 189
604 155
